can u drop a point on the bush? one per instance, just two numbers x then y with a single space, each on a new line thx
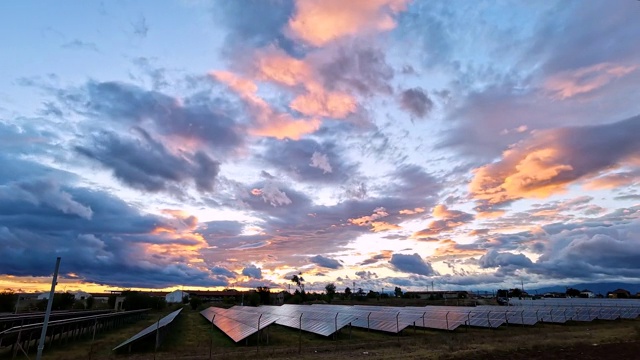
195 302
8 301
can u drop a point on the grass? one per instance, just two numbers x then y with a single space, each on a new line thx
192 337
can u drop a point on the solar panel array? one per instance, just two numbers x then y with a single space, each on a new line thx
151 329
240 322
236 323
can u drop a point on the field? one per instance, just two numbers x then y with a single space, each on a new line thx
191 337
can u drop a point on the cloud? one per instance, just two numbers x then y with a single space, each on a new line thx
254 24
221 271
45 192
99 237
272 195
357 69
320 161
417 102
145 163
325 262
450 219
383 255
549 161
450 249
413 264
78 44
571 83
297 158
589 250
267 121
140 27
495 258
252 271
184 122
318 22
300 76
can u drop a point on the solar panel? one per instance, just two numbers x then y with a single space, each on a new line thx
237 324
151 328
311 319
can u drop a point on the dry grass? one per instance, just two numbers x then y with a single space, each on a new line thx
192 338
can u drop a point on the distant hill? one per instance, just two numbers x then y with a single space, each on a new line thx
597 288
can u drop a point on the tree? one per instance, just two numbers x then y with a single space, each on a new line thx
347 292
398 292
8 301
265 295
298 280
571 292
515 292
195 302
331 291
90 301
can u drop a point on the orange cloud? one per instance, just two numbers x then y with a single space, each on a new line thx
269 123
550 160
452 250
277 66
574 82
379 226
412 212
367 220
318 22
450 219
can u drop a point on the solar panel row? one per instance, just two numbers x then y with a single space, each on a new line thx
240 322
151 329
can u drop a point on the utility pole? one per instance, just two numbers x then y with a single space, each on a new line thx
43 335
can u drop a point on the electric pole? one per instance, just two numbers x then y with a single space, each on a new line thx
43 335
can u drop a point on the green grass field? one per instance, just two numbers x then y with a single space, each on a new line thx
192 337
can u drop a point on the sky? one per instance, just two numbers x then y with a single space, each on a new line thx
368 143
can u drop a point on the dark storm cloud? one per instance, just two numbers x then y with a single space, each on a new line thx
411 264
325 262
363 70
252 271
416 101
295 159
603 246
200 117
224 272
98 236
495 258
255 24
145 163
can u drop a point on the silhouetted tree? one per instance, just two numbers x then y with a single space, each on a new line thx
90 300
397 292
265 295
195 302
571 292
347 292
298 280
331 291
8 301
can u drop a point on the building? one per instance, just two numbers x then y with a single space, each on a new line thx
434 295
619 294
176 296
587 294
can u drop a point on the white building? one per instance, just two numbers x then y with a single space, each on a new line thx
175 296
